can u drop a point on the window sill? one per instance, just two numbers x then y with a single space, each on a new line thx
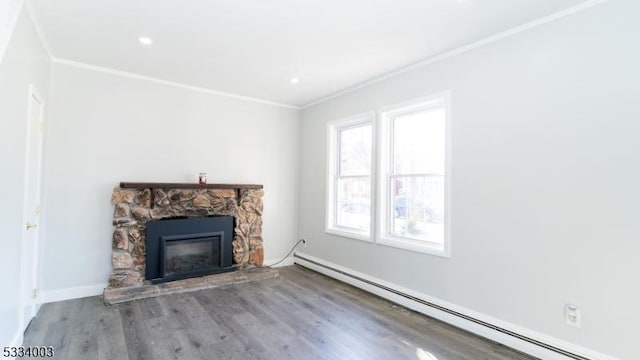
415 246
346 233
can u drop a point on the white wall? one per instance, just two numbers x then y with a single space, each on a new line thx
545 191
9 12
25 62
107 128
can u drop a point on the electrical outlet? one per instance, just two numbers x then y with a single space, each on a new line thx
572 315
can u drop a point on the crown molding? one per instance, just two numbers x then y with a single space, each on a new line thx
45 45
463 49
167 82
15 6
9 12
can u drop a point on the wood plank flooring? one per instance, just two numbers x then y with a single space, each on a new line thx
298 315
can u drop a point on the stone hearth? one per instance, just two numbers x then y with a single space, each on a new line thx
120 295
136 204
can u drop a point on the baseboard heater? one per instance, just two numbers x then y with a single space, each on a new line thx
452 312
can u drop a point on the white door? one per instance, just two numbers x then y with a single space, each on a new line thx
33 172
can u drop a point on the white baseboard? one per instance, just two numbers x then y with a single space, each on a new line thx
286 262
71 293
463 317
98 289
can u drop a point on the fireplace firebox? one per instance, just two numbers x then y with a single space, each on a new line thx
188 247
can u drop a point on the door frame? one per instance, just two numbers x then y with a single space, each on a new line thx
34 263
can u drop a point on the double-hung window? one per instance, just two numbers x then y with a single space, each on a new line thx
350 159
412 176
403 200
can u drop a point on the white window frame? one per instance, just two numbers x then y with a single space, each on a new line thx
333 163
384 175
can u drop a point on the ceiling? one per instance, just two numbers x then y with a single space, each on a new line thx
254 47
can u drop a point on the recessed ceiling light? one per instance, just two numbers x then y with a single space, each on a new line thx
145 40
295 80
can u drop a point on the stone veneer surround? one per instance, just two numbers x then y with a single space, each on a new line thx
134 207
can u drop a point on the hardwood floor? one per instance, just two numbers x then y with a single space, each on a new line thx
298 315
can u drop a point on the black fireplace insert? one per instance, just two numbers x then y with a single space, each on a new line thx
181 248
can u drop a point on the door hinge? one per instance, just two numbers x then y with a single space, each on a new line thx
35 293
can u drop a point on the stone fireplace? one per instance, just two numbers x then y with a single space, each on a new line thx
138 203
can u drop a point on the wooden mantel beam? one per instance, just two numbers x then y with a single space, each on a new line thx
159 185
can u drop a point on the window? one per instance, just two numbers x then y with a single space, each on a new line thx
408 207
412 176
350 158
